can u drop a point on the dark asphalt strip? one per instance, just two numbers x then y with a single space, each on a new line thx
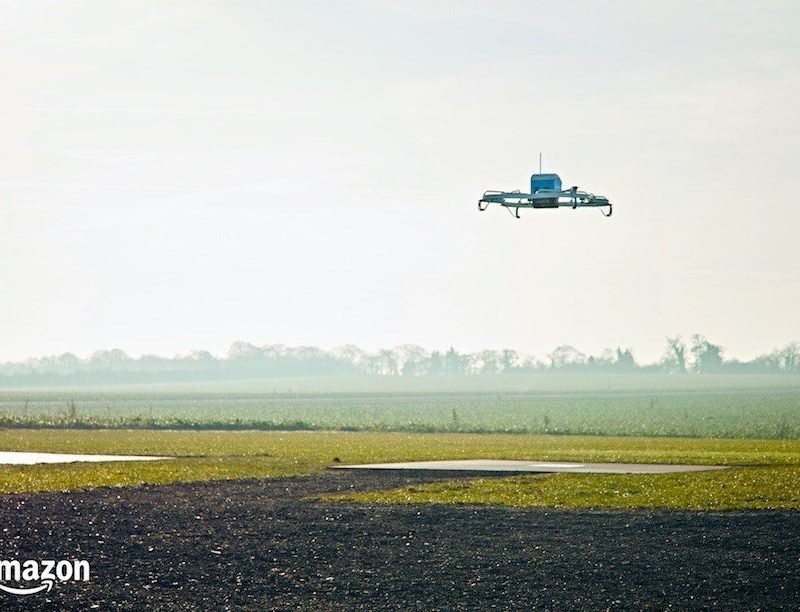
257 544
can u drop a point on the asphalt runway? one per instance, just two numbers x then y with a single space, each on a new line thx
260 544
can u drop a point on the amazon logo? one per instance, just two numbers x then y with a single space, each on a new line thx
42 575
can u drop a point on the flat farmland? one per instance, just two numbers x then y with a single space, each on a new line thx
725 406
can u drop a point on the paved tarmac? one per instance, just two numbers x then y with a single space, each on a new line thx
25 458
264 545
498 465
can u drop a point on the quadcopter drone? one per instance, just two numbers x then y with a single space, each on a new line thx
546 192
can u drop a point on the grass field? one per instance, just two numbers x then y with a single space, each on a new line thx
748 488
769 476
725 406
752 422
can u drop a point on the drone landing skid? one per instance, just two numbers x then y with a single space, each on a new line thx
571 198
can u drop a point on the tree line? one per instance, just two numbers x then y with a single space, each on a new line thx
695 355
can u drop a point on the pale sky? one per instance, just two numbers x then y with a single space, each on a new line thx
181 175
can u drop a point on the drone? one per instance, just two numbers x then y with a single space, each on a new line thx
546 192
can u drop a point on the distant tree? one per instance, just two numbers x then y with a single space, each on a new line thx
674 359
350 354
607 358
154 363
707 356
270 351
764 363
454 362
64 363
113 359
509 361
436 364
624 360
789 357
411 359
485 362
566 355
244 350
387 363
304 353
246 360
530 363
786 359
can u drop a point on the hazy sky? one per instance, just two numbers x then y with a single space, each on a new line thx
179 175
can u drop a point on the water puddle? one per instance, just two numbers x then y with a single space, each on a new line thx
26 458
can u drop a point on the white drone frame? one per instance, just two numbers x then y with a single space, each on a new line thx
544 198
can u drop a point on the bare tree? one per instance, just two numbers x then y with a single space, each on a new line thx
790 357
674 358
510 360
624 359
707 356
566 355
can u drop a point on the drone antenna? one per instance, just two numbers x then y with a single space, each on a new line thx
540 163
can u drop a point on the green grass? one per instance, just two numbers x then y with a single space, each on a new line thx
212 455
238 430
751 488
729 406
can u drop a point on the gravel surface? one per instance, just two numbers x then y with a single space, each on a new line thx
256 544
